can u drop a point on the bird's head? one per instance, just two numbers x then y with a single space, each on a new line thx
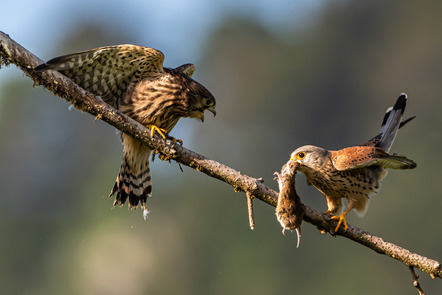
202 102
200 99
309 156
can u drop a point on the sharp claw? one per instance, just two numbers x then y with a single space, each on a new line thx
177 140
159 130
341 220
163 133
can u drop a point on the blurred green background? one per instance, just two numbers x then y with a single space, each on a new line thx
285 74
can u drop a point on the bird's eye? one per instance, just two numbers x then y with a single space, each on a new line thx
300 155
209 102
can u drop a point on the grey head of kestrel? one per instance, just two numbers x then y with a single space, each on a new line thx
354 173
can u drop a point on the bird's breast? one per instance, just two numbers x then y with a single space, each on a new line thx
157 104
355 182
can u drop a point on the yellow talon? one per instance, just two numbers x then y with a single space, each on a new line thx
163 133
98 117
159 130
341 220
176 140
165 157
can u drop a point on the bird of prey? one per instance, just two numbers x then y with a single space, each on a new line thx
132 79
354 173
289 210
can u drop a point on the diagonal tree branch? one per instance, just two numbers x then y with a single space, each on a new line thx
12 53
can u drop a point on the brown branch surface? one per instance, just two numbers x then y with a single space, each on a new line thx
12 53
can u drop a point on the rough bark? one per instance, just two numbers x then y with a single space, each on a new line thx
12 53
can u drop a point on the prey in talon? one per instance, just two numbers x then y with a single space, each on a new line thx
354 173
289 210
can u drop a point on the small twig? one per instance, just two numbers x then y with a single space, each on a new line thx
250 198
415 281
13 53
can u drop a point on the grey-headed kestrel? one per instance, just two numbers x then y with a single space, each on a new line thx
132 79
289 210
354 173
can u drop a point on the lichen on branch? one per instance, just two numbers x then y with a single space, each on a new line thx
12 53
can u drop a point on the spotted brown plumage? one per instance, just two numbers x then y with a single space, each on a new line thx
132 79
354 173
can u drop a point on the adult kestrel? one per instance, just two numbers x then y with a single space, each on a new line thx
354 173
289 210
132 79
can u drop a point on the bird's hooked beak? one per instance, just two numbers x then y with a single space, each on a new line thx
294 161
212 110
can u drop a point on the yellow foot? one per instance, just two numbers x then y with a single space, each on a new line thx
161 131
341 220
165 157
321 229
176 140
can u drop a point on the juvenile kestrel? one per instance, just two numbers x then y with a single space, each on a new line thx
354 173
132 79
289 210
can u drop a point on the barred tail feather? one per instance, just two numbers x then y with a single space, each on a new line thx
135 188
133 181
392 121
390 125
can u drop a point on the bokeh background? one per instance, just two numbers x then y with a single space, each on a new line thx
285 74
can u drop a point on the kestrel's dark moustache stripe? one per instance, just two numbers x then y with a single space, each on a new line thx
354 173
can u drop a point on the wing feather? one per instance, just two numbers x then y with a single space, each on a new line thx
364 156
108 71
